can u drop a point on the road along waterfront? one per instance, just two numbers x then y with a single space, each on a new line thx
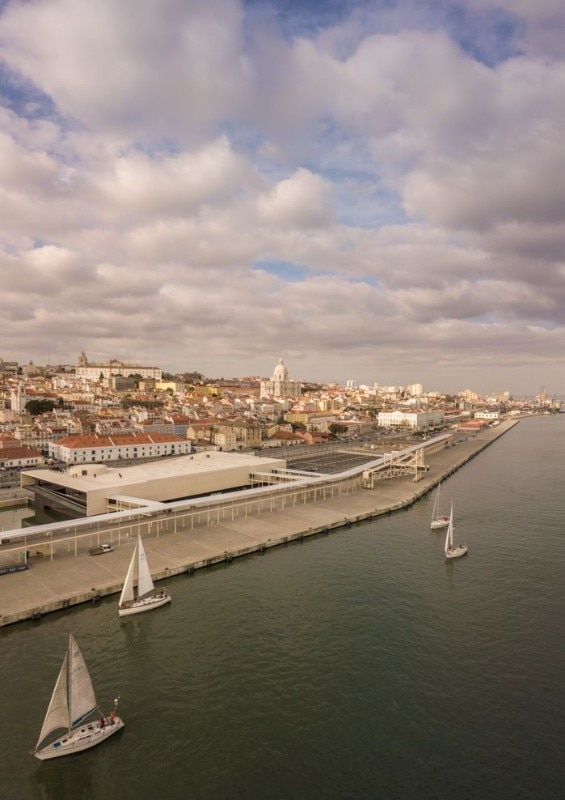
214 536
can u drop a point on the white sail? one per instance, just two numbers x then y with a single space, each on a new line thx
82 700
435 509
127 594
57 715
449 535
438 520
144 581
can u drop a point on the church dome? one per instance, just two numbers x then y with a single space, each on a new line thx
281 372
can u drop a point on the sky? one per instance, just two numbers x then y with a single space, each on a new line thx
372 190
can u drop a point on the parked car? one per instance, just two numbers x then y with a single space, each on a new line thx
103 548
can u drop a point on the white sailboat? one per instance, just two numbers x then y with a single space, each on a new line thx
452 551
132 602
438 520
72 703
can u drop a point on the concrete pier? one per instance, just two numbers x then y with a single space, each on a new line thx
14 498
69 579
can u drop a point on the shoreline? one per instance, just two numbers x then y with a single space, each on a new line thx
52 586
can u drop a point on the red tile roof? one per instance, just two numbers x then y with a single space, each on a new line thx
12 453
117 440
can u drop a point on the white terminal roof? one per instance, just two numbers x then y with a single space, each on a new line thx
100 476
170 478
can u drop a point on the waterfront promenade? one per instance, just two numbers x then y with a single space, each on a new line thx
70 579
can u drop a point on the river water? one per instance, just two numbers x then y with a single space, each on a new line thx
356 666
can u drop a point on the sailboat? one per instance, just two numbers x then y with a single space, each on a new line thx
450 550
145 598
438 520
72 703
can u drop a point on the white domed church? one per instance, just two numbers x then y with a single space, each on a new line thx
280 385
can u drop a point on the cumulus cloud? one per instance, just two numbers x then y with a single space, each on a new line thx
189 184
175 184
301 201
162 67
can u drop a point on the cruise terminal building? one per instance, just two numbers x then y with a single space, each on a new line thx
89 489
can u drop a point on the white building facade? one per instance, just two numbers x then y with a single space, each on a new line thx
95 449
415 420
492 415
87 371
280 385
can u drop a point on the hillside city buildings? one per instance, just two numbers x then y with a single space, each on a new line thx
112 412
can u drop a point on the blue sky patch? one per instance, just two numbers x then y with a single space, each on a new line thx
285 270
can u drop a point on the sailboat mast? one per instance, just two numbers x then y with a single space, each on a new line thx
68 682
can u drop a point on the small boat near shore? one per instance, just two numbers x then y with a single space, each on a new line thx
72 704
438 520
139 576
451 550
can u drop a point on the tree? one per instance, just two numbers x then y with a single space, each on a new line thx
128 402
35 407
335 428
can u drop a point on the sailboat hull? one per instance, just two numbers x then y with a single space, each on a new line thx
440 522
144 604
456 552
80 739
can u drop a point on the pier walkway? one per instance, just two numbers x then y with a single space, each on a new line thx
74 577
